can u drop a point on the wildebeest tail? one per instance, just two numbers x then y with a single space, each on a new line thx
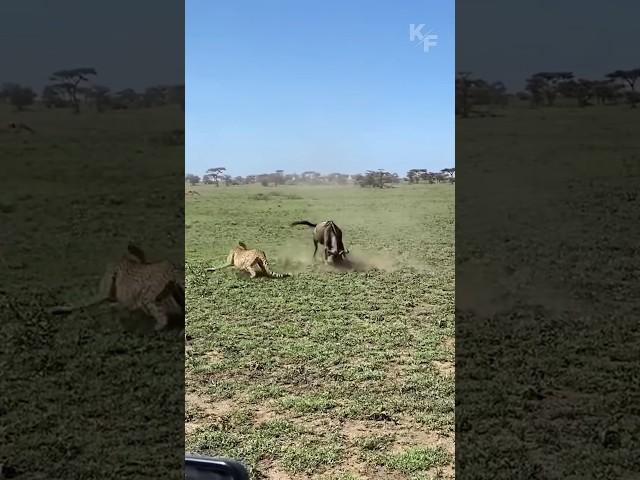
304 222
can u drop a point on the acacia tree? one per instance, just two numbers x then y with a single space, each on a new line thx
463 97
449 173
22 97
17 95
51 97
311 176
278 177
428 176
68 81
192 179
264 179
413 175
377 178
176 95
154 96
6 89
338 178
544 86
475 91
215 173
100 96
630 77
607 91
582 90
128 96
417 174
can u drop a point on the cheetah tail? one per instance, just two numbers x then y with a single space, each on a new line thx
215 269
64 309
271 273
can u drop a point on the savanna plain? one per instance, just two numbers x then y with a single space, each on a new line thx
547 292
81 395
326 374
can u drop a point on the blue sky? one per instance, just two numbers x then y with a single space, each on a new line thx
578 36
126 45
326 86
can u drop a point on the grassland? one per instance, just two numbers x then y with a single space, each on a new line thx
547 293
324 375
88 395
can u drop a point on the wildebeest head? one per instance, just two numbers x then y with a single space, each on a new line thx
337 258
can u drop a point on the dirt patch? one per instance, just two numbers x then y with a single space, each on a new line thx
354 429
477 295
318 423
214 356
424 310
204 411
276 474
415 438
264 414
271 471
444 368
402 361
395 372
358 469
191 427
449 343
405 434
206 408
448 472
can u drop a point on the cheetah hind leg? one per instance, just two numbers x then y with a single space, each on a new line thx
252 271
159 314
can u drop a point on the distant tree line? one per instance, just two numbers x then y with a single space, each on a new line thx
18 96
544 88
446 175
371 178
72 88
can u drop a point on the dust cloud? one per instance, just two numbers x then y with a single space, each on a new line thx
297 256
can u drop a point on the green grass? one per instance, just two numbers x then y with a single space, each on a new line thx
84 394
335 356
415 460
552 215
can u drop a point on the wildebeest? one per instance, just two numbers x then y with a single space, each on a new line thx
329 235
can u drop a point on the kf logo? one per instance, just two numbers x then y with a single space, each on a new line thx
427 40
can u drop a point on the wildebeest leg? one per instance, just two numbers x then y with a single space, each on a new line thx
315 243
327 241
